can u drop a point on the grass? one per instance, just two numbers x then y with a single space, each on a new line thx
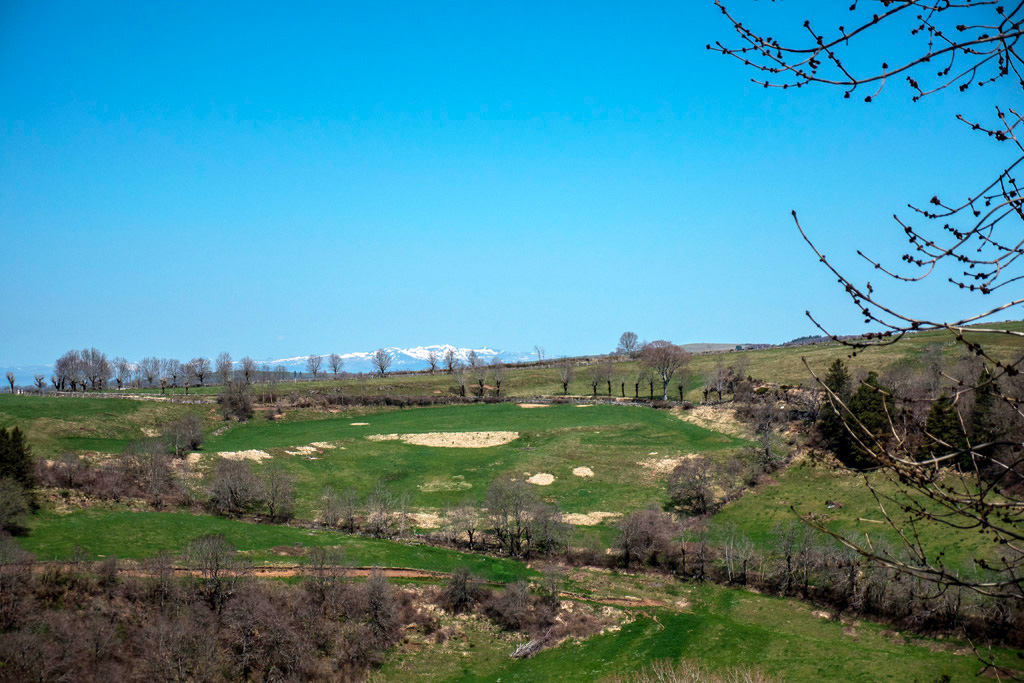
138 535
722 628
104 425
806 487
555 439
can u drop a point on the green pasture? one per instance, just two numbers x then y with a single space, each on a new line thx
139 535
556 439
720 627
807 488
56 424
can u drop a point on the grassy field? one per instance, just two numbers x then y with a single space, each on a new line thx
806 487
138 535
720 627
107 425
610 440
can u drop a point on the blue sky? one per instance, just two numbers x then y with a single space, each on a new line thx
178 179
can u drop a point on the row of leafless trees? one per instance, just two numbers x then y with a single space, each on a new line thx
90 369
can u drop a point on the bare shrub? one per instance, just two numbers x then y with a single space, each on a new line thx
235 401
234 488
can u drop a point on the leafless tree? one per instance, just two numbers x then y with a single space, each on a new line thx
349 507
473 359
40 381
279 493
691 486
450 359
199 367
248 367
149 368
498 373
225 367
463 519
382 509
330 506
539 350
215 558
975 244
313 362
509 505
716 380
235 401
96 367
10 380
645 534
478 374
336 363
173 370
65 369
628 343
459 375
665 359
595 375
122 371
382 360
432 360
565 375
235 488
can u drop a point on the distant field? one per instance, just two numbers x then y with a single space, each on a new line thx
778 365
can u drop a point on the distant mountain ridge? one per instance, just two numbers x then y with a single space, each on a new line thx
413 358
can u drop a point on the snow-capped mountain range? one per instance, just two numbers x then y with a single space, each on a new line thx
414 358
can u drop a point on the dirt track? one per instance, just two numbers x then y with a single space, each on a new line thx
283 571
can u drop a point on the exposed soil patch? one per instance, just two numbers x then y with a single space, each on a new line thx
426 520
583 472
718 419
304 450
660 466
588 518
150 432
532 405
541 479
451 439
358 424
252 454
456 483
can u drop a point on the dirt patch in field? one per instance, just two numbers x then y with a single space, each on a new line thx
717 419
193 458
532 405
450 439
541 479
584 405
252 454
150 432
358 424
583 472
303 450
588 518
660 466
456 483
426 520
